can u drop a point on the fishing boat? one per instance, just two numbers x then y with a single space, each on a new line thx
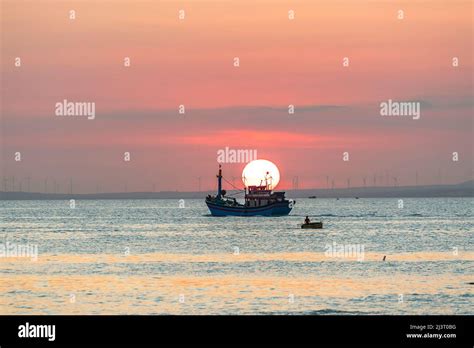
317 224
259 200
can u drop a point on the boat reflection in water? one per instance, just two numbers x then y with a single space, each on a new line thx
259 200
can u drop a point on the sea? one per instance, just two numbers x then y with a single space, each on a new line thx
161 257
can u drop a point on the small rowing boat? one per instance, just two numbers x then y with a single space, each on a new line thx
318 224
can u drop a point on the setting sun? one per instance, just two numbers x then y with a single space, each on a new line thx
255 173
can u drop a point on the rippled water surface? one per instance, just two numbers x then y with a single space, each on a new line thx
152 257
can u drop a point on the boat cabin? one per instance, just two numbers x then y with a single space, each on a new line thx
258 196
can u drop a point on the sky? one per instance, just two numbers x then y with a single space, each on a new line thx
404 57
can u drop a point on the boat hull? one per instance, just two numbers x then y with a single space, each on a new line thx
313 225
274 209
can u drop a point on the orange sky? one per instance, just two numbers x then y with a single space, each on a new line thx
190 62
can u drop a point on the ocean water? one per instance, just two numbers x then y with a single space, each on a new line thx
155 257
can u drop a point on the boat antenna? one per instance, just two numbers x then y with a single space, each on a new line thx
268 176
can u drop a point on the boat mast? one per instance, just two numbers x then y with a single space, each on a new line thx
219 182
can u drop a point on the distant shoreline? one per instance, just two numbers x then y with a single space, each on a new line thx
465 189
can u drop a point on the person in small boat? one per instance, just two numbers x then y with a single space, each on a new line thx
306 220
